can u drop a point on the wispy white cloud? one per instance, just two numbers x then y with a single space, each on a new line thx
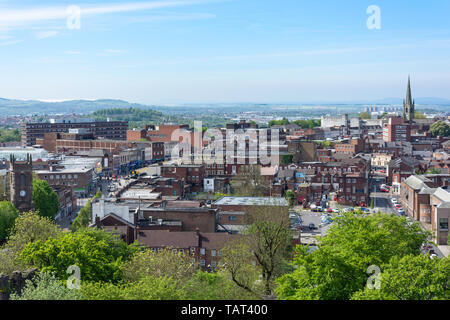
46 34
15 17
11 42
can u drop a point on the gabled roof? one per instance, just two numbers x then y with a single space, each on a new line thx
417 182
442 195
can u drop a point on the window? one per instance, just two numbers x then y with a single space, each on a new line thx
202 251
181 251
232 218
23 180
213 253
219 253
213 264
443 223
192 250
202 262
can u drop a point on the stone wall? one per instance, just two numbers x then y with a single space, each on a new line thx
14 283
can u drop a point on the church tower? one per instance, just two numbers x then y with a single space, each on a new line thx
408 105
21 183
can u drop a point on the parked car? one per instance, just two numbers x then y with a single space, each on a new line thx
348 210
394 200
329 210
364 209
336 210
312 226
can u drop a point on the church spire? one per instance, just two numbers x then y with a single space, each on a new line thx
408 104
408 93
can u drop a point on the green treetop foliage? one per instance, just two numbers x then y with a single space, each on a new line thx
215 286
365 115
337 269
324 144
99 254
84 216
290 196
148 288
45 286
28 228
262 251
10 135
411 278
419 115
8 214
440 128
168 262
45 199
304 124
128 114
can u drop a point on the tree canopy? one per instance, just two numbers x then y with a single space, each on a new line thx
440 128
28 228
338 268
98 254
84 216
412 277
304 124
8 214
365 115
45 199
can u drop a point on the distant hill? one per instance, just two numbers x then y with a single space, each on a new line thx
34 107
29 107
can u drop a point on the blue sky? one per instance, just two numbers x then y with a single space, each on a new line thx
183 51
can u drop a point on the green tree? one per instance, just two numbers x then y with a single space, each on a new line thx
290 196
287 159
264 247
83 218
98 253
45 286
148 288
411 278
433 171
419 115
45 199
365 115
8 214
28 228
337 269
440 128
169 262
215 286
